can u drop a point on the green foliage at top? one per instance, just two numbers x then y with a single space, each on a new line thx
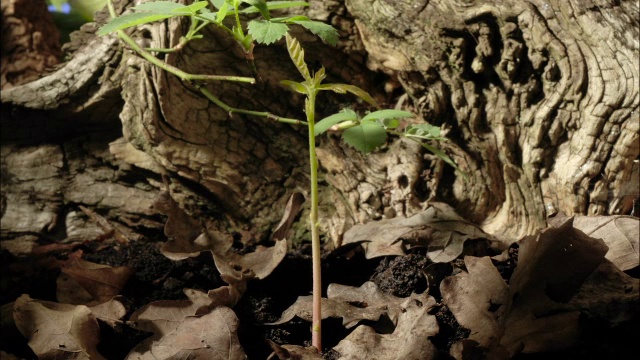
296 53
324 31
150 12
266 32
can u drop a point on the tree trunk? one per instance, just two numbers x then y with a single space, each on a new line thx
539 99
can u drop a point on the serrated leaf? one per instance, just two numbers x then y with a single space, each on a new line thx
276 5
161 7
261 5
129 20
266 32
296 53
365 137
295 86
326 123
387 114
345 88
326 32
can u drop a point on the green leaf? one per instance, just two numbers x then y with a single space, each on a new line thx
344 88
161 7
165 7
217 3
290 19
318 76
296 53
326 32
266 32
365 137
261 5
296 86
426 131
222 13
129 20
387 114
391 123
326 123
275 5
212 17
439 153
195 7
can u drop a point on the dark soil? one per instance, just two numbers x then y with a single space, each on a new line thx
157 277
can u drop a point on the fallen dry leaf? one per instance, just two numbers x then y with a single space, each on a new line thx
620 233
57 331
257 264
100 282
110 312
212 336
477 299
438 228
293 352
188 239
560 273
350 303
223 296
409 341
165 316
184 234
294 205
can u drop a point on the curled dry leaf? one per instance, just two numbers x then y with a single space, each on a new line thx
212 336
350 303
258 264
223 296
57 331
438 228
409 340
294 205
101 283
188 239
184 234
560 273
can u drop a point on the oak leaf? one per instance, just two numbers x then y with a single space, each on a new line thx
57 331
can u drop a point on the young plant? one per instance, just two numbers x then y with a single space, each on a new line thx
365 134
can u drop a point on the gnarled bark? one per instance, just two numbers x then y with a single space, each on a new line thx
540 100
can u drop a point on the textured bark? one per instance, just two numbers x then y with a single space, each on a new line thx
540 101
30 41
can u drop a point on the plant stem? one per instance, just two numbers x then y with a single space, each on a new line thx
232 110
316 324
174 70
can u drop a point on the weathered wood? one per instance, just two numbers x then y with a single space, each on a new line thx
540 100
30 41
